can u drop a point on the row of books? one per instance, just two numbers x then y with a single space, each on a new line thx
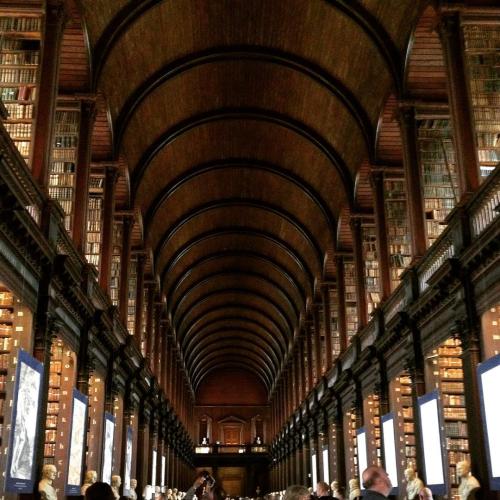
65 141
6 298
92 248
5 343
19 112
61 193
94 234
64 155
64 180
95 204
489 139
485 85
18 130
489 155
439 192
18 75
5 315
20 24
439 203
23 147
60 167
21 57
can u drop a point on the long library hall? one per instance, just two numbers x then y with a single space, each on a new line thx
247 245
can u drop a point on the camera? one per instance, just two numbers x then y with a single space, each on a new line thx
208 478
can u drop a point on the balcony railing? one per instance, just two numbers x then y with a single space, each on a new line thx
230 449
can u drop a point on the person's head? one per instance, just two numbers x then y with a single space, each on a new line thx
463 468
297 492
321 489
376 479
425 494
90 476
116 481
410 474
99 491
335 485
49 471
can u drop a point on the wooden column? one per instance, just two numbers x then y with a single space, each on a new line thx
413 183
164 363
377 180
143 450
107 226
317 342
139 300
128 222
301 378
150 297
327 321
460 102
360 272
55 19
170 342
341 308
157 340
309 350
87 118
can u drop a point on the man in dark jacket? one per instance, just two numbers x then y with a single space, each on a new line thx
376 483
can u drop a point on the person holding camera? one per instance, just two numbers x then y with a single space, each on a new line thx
202 488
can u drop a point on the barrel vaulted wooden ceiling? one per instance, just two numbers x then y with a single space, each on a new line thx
247 128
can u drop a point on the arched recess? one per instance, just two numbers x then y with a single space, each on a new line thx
255 316
233 278
228 262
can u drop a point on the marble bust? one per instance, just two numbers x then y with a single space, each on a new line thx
90 478
468 483
354 489
413 484
45 488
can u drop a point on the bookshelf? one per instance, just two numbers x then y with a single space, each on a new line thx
63 161
398 232
334 318
351 452
444 372
53 397
19 60
94 220
144 322
371 409
402 406
6 340
482 49
351 306
490 330
332 449
96 422
132 294
372 271
15 322
438 170
62 379
114 284
118 436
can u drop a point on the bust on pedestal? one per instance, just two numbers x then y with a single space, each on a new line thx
354 489
116 482
413 484
468 483
132 493
90 479
45 488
